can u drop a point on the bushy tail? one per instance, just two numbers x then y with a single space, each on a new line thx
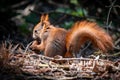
87 31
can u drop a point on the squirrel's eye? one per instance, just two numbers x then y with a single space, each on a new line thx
35 31
47 28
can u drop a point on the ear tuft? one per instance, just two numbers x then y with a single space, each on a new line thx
44 17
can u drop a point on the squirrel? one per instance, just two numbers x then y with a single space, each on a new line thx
49 39
67 43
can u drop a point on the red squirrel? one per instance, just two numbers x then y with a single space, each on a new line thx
59 41
52 39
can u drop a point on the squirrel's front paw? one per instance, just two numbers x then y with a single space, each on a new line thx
32 47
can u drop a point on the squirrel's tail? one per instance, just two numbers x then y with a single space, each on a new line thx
87 31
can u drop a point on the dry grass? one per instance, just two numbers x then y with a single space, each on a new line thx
6 56
27 65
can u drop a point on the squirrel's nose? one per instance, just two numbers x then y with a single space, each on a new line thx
34 36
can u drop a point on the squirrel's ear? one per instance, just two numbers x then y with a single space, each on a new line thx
46 18
42 17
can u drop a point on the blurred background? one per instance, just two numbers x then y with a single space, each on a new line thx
18 17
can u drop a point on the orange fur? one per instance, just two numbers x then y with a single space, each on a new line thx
87 31
52 38
55 44
58 41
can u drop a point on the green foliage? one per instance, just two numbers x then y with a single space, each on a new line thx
24 28
64 10
77 12
67 25
80 12
32 18
75 2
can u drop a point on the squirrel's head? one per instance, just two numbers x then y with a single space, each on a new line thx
42 26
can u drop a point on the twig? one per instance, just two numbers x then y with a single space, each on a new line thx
14 48
85 48
57 4
19 4
117 42
27 47
114 9
68 59
33 77
103 74
107 22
